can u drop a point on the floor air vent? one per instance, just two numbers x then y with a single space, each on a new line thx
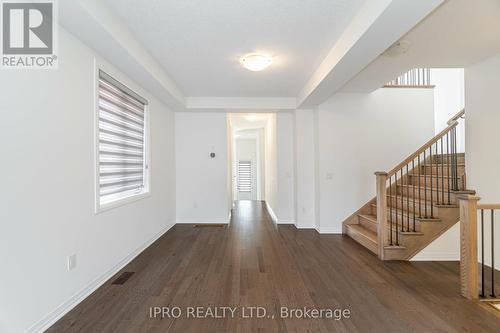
123 278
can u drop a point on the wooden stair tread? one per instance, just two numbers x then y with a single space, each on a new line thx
433 176
405 198
373 219
427 202
363 236
398 212
435 189
432 164
366 232
423 188
369 217
394 247
450 154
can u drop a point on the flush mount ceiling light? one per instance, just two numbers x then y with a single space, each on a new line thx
255 62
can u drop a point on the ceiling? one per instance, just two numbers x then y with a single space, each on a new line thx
186 52
458 34
247 121
199 42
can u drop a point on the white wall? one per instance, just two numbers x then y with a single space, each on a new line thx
449 95
285 206
47 197
202 189
359 134
482 101
305 169
449 99
271 172
445 248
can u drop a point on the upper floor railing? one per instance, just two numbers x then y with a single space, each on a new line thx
475 284
414 78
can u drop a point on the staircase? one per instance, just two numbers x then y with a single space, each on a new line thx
416 201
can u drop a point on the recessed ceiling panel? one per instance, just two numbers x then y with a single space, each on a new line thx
200 42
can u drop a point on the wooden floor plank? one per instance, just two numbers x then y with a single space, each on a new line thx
254 262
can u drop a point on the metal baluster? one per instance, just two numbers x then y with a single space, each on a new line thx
408 200
419 197
425 182
452 168
390 207
432 192
413 181
492 254
442 172
396 209
448 165
454 159
482 252
402 203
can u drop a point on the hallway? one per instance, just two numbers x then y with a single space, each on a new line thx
253 262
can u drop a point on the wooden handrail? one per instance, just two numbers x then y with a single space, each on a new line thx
488 206
455 118
453 122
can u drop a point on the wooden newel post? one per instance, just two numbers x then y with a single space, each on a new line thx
382 227
468 246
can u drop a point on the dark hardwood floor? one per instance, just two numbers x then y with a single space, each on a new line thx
253 262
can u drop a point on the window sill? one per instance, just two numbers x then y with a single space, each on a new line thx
121 202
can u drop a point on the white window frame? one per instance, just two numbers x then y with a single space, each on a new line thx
146 192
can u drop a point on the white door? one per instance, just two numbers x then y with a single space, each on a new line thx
245 180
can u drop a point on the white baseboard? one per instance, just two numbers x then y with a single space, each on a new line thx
488 263
271 212
286 222
437 256
307 226
204 221
53 316
329 230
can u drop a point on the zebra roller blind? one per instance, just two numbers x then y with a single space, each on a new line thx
122 160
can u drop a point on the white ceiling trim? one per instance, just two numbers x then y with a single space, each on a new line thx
442 40
87 18
377 26
242 103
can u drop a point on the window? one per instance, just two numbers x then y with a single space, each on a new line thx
122 153
244 176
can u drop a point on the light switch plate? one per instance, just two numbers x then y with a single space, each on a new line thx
71 262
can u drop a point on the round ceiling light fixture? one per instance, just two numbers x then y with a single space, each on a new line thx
256 62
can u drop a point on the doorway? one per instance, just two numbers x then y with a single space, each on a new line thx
251 138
